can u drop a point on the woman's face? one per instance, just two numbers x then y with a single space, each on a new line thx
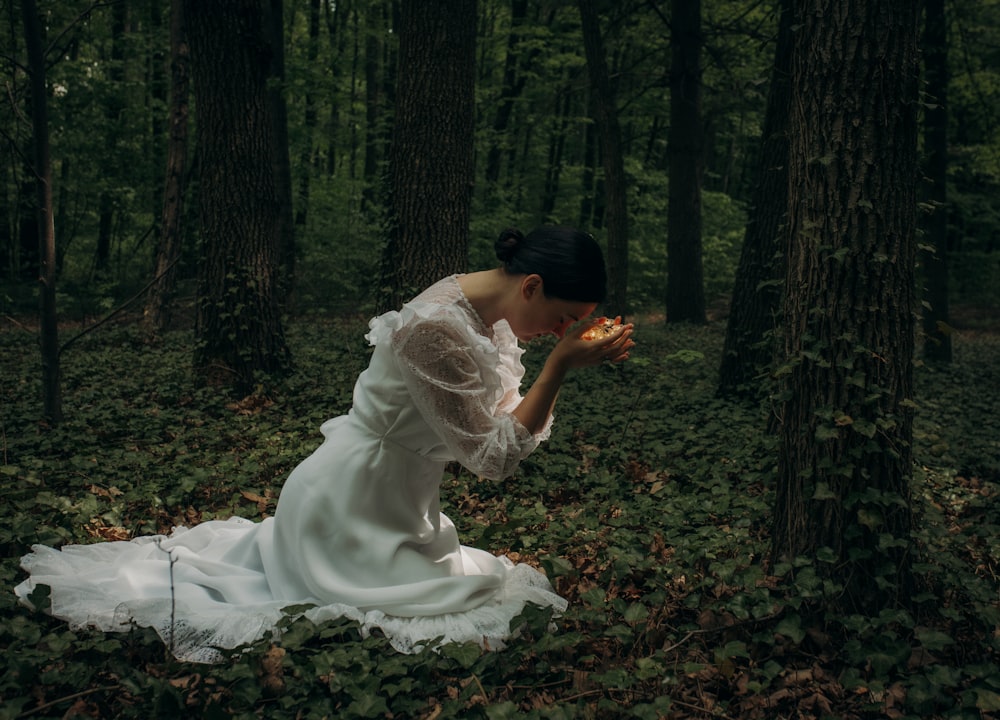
539 315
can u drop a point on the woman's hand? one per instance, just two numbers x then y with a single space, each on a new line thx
609 341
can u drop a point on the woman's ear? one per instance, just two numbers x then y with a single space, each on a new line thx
531 285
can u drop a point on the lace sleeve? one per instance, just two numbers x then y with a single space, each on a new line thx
453 381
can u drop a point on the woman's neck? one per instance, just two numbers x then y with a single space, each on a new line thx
489 292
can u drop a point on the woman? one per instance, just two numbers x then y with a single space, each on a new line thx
358 531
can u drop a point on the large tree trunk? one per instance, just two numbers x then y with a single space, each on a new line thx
606 117
753 310
937 337
685 281
431 155
238 328
46 238
844 466
168 252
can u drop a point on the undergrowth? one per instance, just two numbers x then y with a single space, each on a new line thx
648 509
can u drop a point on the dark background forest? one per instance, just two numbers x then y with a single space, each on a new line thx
785 505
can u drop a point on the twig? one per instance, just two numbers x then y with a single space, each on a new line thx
118 309
67 698
173 595
26 329
482 690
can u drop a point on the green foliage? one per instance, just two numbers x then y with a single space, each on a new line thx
648 508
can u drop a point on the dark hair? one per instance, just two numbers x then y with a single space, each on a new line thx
570 262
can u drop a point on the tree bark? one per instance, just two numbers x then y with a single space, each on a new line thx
842 495
46 239
114 106
685 280
309 121
273 22
168 253
557 144
431 154
753 310
238 329
937 336
513 84
609 130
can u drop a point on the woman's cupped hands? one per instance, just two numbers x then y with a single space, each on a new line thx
606 340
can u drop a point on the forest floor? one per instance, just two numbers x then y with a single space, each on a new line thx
648 508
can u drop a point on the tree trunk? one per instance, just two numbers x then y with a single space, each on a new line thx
557 143
310 120
375 30
937 336
238 328
513 84
842 496
114 105
168 252
431 154
606 118
273 21
753 310
46 239
685 282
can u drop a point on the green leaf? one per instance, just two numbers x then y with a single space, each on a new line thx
933 639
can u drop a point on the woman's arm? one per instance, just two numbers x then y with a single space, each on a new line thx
572 351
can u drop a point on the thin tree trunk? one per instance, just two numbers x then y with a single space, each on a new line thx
113 116
753 310
374 31
685 281
46 240
157 313
606 117
310 121
273 20
512 87
937 336
557 143
845 461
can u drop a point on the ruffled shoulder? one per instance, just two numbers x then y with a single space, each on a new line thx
444 303
441 302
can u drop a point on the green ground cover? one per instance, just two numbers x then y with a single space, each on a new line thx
649 509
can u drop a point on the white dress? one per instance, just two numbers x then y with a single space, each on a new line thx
358 530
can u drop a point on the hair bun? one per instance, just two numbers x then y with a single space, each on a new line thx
507 244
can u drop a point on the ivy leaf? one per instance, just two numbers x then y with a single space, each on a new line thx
933 639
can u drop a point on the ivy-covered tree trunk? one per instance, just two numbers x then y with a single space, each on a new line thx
606 118
431 156
753 310
685 280
45 241
937 336
845 460
238 327
168 252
